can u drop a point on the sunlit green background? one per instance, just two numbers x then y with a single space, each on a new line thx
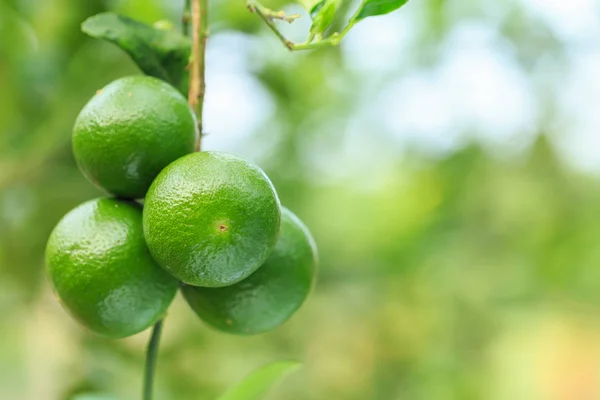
446 159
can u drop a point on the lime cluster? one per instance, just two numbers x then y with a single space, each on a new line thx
211 224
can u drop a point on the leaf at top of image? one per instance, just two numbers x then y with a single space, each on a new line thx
310 5
162 53
371 8
256 385
323 14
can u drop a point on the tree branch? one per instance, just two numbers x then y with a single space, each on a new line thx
199 11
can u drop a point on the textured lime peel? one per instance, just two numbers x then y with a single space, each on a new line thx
211 219
129 131
271 295
101 270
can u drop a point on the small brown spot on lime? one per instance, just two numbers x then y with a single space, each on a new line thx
222 227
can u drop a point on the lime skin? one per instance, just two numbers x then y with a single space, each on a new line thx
102 272
129 131
268 297
211 218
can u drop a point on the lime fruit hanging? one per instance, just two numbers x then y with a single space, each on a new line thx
268 297
129 131
102 272
211 218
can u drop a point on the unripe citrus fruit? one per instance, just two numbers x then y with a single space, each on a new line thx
268 297
211 218
129 131
101 270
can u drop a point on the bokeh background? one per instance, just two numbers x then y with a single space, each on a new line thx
446 158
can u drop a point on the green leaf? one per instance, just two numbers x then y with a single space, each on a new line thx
310 5
314 9
255 385
370 8
159 52
323 14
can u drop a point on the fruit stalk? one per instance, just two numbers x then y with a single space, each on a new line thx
151 354
199 14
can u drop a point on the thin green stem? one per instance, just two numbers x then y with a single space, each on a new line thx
313 41
332 40
314 45
352 21
267 16
255 6
151 355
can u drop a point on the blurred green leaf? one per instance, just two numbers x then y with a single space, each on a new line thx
255 385
94 396
315 7
370 8
311 5
323 14
162 53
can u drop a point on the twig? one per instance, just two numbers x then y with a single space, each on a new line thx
197 66
313 41
268 15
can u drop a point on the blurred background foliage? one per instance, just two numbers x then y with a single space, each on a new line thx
445 157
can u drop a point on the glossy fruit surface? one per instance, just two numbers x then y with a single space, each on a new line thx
129 131
268 297
102 272
211 218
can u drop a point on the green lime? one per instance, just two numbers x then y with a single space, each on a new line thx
211 218
129 131
269 296
102 272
